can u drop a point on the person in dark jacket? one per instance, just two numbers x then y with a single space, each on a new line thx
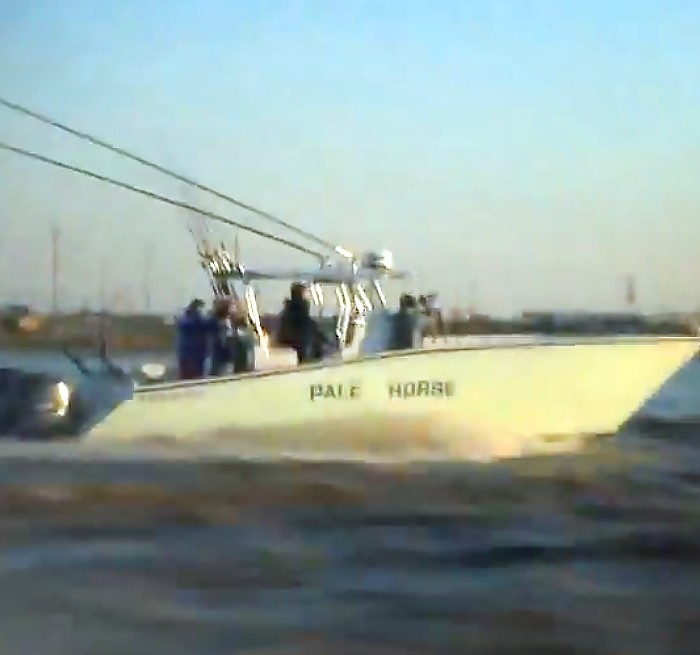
192 341
408 324
297 327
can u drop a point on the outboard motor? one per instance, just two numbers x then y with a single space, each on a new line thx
34 404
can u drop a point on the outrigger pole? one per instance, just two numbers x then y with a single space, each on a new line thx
161 198
198 185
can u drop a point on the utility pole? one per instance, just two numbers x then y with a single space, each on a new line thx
474 297
55 235
102 330
630 292
102 290
147 267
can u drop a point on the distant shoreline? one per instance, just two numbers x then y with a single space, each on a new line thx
26 343
134 335
129 346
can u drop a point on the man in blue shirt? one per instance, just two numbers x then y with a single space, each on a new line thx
193 338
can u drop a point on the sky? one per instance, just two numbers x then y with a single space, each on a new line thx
513 154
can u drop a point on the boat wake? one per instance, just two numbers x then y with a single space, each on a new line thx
378 441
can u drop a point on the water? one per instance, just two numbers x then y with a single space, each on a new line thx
592 553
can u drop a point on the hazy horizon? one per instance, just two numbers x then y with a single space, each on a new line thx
519 155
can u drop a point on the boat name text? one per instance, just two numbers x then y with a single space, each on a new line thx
422 389
334 391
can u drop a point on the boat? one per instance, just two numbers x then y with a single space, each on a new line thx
513 390
542 390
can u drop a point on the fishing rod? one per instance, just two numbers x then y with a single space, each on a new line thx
13 106
199 229
197 226
161 198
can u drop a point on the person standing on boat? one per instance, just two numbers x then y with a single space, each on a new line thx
222 333
192 341
434 307
242 339
409 323
233 340
297 329
434 324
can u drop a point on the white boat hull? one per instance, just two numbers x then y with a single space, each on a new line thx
506 392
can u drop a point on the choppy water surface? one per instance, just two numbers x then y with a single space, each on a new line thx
597 552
